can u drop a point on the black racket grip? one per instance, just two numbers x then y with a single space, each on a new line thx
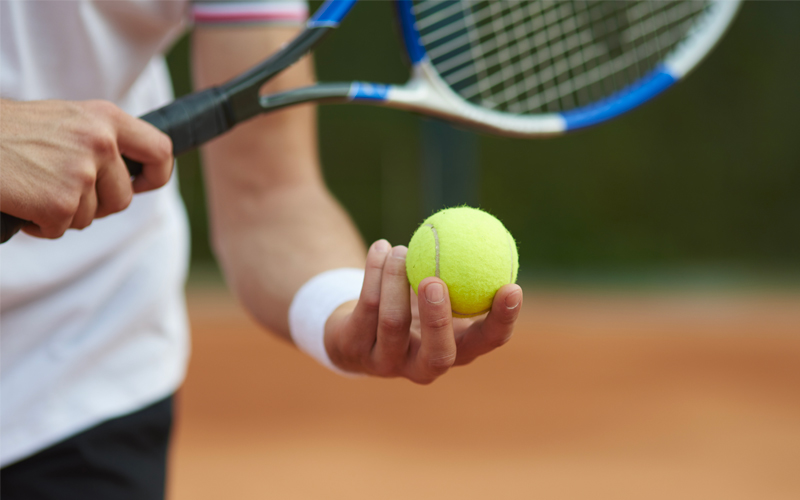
9 226
189 121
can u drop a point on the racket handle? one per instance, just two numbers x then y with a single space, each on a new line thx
189 121
9 226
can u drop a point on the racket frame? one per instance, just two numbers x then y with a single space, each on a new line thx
199 117
427 93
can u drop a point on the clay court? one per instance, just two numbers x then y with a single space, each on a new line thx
620 396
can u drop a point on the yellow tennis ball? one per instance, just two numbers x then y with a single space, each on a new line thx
470 250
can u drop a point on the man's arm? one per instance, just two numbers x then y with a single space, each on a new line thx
275 225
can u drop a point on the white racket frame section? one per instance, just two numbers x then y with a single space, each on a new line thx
426 92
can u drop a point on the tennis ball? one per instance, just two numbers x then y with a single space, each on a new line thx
470 250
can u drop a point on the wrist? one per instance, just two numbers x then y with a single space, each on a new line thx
320 306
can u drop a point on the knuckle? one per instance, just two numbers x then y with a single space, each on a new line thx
370 304
441 364
397 268
120 202
88 108
98 112
394 324
438 322
375 263
104 145
64 207
107 108
509 318
86 178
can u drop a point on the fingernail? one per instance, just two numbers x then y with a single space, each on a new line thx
434 293
381 246
399 252
513 299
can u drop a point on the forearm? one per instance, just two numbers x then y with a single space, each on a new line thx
274 224
279 242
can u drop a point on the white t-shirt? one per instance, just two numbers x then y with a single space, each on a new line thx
93 325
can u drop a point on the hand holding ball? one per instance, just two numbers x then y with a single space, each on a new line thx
468 249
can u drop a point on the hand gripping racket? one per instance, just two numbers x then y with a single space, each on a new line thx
510 67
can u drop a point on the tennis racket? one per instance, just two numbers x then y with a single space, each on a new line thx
510 67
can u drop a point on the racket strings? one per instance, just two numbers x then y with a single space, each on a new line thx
527 57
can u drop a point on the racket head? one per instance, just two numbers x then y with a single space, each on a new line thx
541 68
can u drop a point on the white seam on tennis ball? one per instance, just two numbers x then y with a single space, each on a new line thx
436 246
511 250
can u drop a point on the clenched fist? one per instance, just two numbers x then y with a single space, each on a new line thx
62 162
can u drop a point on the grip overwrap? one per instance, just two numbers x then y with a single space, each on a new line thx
189 121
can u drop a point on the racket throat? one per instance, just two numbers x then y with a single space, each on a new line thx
324 92
243 101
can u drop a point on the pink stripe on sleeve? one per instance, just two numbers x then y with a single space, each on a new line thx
231 12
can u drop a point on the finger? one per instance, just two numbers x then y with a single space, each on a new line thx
496 329
437 351
364 319
51 231
57 219
414 309
394 317
33 230
114 190
50 228
84 215
142 142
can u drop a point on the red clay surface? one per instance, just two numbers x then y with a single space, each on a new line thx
596 397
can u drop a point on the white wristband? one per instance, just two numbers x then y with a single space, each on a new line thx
314 303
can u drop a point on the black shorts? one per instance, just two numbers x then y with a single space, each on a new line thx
122 459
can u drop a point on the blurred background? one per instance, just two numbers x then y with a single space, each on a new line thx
659 350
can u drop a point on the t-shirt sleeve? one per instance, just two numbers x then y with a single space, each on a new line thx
249 12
